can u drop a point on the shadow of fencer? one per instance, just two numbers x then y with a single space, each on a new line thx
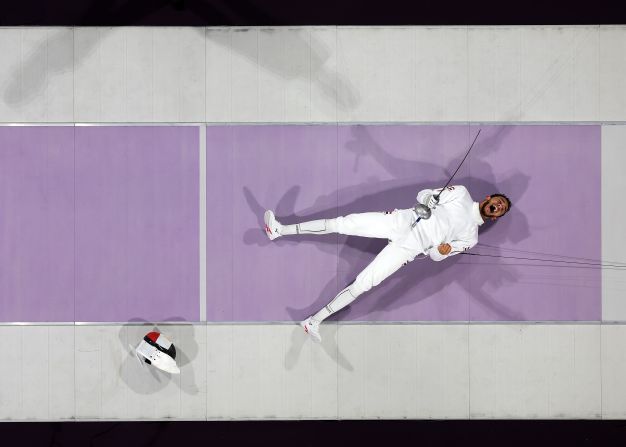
431 277
146 379
329 346
356 252
420 279
28 80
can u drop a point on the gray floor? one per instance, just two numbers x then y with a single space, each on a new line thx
360 371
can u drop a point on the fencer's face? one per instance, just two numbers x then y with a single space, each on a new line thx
493 207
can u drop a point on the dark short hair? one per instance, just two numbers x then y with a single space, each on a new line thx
508 201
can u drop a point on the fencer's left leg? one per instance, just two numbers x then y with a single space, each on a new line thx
275 229
384 225
387 262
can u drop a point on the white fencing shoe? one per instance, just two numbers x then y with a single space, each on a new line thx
272 226
312 327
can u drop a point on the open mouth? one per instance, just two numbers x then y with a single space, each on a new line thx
492 208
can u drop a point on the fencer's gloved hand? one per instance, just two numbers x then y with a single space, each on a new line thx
444 249
431 201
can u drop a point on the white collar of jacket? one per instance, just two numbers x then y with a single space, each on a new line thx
476 214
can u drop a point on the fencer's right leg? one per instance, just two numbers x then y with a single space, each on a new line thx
388 261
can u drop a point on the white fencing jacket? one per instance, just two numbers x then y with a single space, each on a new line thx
454 221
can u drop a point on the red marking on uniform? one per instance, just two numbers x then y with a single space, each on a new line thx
306 329
268 230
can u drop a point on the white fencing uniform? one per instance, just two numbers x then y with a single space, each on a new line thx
454 221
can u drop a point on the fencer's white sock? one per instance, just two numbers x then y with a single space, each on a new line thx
343 298
322 226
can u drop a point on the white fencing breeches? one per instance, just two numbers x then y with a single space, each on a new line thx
387 262
385 225
402 249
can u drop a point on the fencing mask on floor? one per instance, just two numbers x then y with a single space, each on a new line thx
156 350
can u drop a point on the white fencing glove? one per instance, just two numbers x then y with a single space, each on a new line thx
431 201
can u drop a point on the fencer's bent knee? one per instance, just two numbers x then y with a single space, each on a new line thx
363 283
374 275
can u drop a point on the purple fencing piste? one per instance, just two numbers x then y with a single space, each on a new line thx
551 173
36 224
99 223
137 202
